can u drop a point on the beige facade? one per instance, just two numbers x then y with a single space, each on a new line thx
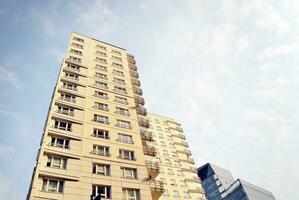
177 168
96 138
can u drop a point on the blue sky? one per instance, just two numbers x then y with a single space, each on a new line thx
227 70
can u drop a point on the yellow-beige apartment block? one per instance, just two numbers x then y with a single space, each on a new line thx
93 139
177 168
96 139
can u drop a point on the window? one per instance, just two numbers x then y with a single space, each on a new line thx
129 173
119 73
69 86
101 53
131 194
60 142
125 138
103 190
121 100
101 106
122 111
123 124
102 76
73 67
126 154
120 89
119 81
72 76
52 185
101 95
165 153
180 173
80 46
75 59
69 98
98 59
101 169
78 39
167 162
170 171
176 194
101 84
65 111
172 182
166 193
187 195
56 162
114 64
101 150
101 67
76 52
101 119
101 133
66 126
183 184
176 163
116 52
101 47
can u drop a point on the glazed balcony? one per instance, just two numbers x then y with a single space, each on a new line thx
134 74
139 100
149 150
137 90
145 135
141 110
135 81
132 66
143 122
153 168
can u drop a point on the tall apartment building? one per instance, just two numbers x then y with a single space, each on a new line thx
219 184
177 169
96 139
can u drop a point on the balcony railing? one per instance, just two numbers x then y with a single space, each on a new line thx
152 165
72 100
139 100
198 190
145 135
157 186
149 150
185 151
191 169
184 144
181 136
188 160
135 82
132 66
72 78
134 74
68 113
137 90
193 180
177 129
141 110
173 122
143 122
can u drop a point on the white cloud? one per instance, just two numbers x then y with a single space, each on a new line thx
9 77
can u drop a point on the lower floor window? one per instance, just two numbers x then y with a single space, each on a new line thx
52 185
131 194
103 190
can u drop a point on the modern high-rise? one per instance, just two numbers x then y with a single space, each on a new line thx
177 168
96 139
219 184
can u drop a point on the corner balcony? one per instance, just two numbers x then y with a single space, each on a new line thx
134 74
173 122
137 90
139 100
141 110
149 150
198 190
145 135
177 129
143 122
188 160
153 168
184 144
135 81
75 62
132 66
157 189
181 136
191 170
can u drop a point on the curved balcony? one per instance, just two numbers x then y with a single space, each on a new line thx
139 100
141 110
149 150
143 122
145 135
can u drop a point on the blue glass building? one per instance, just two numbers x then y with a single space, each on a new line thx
219 184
